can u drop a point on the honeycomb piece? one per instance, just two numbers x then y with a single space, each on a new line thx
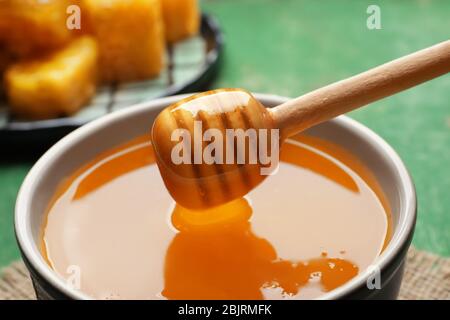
30 27
181 19
130 37
5 61
55 85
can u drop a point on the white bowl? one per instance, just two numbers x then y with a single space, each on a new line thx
85 143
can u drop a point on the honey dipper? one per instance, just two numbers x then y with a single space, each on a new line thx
198 182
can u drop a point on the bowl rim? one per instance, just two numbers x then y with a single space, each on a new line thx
22 225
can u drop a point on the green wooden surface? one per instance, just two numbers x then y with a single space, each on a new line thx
289 47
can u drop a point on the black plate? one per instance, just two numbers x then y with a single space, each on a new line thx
192 64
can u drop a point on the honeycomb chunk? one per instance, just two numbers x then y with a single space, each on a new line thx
57 84
30 27
181 19
130 37
5 61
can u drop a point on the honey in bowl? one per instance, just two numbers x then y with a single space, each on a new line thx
308 229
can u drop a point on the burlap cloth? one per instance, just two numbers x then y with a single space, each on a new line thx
427 276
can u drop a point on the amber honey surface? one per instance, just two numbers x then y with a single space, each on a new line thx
305 231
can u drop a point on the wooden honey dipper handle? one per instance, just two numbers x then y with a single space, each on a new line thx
328 102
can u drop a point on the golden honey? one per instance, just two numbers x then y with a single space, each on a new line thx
306 230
